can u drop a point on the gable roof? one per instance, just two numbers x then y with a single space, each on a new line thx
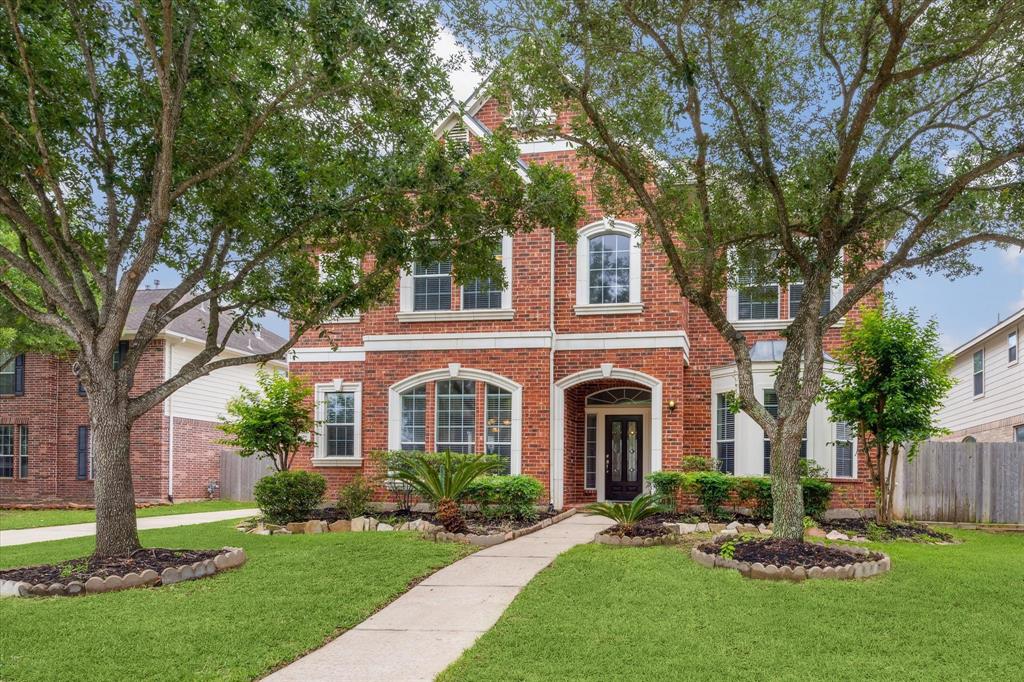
994 329
194 323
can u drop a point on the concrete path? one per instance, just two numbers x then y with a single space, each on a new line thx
24 536
419 634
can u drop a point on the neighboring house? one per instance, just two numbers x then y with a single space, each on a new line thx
44 424
987 402
588 372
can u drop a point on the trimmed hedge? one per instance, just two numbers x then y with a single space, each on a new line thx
289 495
506 496
712 489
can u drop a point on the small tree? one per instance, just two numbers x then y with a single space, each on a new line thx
893 377
272 422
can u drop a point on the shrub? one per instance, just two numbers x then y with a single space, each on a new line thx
817 494
696 463
758 489
354 497
712 489
289 495
512 497
627 514
666 485
443 479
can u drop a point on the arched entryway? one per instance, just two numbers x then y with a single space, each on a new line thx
624 410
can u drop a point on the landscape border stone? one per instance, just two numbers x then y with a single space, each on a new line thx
856 569
623 541
494 538
229 557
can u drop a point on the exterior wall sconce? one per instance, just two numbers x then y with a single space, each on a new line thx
671 406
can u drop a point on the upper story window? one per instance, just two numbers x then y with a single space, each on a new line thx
979 372
8 373
1013 347
426 292
756 301
796 294
432 286
608 269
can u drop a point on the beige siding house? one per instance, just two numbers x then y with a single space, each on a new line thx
987 402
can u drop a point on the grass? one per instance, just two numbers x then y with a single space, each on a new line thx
11 519
294 593
606 613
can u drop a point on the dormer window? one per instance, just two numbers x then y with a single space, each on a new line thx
608 269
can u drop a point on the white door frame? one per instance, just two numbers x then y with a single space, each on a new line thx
557 426
601 412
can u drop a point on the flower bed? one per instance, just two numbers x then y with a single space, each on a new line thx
896 530
144 568
496 538
790 559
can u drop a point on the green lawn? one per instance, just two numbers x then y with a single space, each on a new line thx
293 594
606 613
11 519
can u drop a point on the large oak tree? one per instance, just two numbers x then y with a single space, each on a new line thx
229 142
781 140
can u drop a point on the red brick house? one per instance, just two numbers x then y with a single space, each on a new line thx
44 422
589 372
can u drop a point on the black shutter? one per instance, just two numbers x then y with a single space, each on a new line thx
19 375
83 452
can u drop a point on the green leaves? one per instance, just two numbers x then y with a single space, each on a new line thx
445 476
628 514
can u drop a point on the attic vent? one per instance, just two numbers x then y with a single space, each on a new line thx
458 137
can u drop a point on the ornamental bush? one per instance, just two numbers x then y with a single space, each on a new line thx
712 489
354 497
757 490
512 497
665 486
290 495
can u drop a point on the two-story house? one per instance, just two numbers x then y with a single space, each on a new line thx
986 404
588 372
45 444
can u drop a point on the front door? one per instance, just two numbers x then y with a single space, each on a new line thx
623 456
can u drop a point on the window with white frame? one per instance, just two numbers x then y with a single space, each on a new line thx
6 451
590 454
756 301
771 403
455 416
485 293
339 413
844 450
432 286
1012 347
608 269
414 419
1018 433
498 421
979 372
796 295
7 373
725 441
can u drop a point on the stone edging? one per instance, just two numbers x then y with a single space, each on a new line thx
230 557
623 541
758 571
497 538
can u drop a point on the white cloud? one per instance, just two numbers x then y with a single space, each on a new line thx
463 78
1012 258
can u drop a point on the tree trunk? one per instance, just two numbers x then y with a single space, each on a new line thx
787 495
116 533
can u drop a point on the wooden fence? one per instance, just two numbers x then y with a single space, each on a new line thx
966 482
238 475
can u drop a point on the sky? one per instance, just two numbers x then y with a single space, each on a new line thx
963 307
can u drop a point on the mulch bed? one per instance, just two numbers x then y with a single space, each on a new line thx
791 553
475 522
86 567
897 530
650 527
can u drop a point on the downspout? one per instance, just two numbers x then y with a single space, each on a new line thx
551 361
170 423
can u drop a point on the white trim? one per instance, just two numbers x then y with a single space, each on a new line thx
607 226
468 341
455 315
341 354
336 386
557 144
608 308
557 424
645 412
336 461
983 336
443 373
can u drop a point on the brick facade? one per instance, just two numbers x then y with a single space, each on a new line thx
53 410
561 343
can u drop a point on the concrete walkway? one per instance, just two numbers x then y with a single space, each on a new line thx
24 536
419 634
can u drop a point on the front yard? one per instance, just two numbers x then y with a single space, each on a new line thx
606 613
11 519
293 594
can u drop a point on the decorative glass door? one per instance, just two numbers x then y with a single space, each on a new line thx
624 456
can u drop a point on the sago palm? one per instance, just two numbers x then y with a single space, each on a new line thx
627 514
443 480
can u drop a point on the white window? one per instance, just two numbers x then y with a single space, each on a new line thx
414 419
796 294
725 442
756 301
845 450
432 286
979 372
339 417
455 416
608 269
498 421
6 451
488 294
590 454
1013 347
425 293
